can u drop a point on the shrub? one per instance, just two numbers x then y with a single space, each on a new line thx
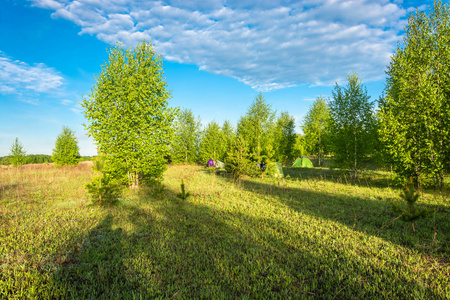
103 188
238 162
412 212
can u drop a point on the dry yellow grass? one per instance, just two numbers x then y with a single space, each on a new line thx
44 182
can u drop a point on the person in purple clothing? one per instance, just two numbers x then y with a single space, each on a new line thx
210 163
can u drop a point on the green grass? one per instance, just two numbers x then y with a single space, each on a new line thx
307 237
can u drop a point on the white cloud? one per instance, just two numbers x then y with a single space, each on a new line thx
18 77
268 44
66 102
76 110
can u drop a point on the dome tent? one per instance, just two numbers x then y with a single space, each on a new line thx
302 162
276 170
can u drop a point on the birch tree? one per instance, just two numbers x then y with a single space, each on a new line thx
128 115
352 126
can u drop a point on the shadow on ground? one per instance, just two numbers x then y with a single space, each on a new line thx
182 249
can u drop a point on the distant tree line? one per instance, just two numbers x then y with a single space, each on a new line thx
29 159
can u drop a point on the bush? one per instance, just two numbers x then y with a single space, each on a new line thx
104 190
66 148
237 162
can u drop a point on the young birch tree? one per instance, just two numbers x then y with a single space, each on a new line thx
211 145
256 128
316 126
185 146
352 126
128 114
284 138
415 114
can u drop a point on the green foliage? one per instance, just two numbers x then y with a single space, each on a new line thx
238 161
38 159
353 125
186 141
213 143
29 159
128 114
17 154
284 138
256 128
4 160
183 194
316 129
228 135
66 151
299 146
158 189
412 212
415 114
104 189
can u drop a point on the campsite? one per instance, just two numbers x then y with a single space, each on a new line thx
224 149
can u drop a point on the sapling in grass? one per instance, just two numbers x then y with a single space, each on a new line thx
183 194
412 213
158 189
103 189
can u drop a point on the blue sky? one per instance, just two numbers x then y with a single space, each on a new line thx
218 55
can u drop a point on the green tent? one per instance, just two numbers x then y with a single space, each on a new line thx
219 165
276 170
302 162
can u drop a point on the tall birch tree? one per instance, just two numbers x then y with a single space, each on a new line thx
415 113
352 126
128 115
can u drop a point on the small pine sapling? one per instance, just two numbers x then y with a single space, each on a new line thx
159 189
412 213
103 189
183 194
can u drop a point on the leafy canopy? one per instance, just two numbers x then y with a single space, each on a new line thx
352 126
17 154
213 143
316 127
128 114
415 114
66 148
185 146
284 138
256 128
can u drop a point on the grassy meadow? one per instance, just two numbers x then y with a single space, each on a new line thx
311 236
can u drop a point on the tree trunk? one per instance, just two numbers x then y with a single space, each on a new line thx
356 161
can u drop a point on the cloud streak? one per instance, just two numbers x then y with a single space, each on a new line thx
269 45
18 77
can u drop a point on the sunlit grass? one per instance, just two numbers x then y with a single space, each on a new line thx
306 237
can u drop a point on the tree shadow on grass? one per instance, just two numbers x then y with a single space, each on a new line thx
370 216
175 248
95 269
194 251
366 179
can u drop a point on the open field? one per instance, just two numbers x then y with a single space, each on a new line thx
300 238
